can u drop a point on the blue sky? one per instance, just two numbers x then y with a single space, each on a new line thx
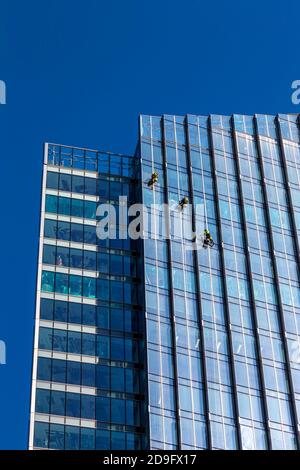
79 73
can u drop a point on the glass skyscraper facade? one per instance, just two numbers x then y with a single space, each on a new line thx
151 343
88 371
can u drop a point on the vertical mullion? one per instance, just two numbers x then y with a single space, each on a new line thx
226 301
277 282
171 290
252 296
198 295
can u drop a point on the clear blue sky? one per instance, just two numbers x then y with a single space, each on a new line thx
79 73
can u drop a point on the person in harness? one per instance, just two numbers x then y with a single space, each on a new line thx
208 241
154 179
183 202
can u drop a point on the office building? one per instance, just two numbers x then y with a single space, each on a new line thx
163 342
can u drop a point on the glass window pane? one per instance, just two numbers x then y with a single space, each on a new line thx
77 208
46 309
73 404
56 436
51 203
71 438
42 401
65 182
41 435
47 281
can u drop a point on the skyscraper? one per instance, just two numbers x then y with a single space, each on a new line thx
89 380
208 335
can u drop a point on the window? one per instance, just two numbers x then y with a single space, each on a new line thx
90 186
51 204
58 370
103 377
102 439
74 342
116 264
118 411
185 398
56 436
41 434
50 228
87 406
89 260
44 369
90 209
103 317
115 165
116 319
75 258
103 189
63 231
87 438
156 426
90 234
60 340
103 289
132 380
74 312
88 314
77 208
73 372
102 409
45 338
117 440
89 287
64 206
73 405
46 309
77 184
47 281
77 233
117 349
163 278
103 346
57 403
61 283
154 362
88 374
190 283
71 438
65 182
244 406
42 404
274 409
187 432
117 379
49 254
88 344
61 311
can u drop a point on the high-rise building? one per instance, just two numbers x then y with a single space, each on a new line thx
89 382
171 340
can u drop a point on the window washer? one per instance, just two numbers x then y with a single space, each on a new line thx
208 241
184 201
154 179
